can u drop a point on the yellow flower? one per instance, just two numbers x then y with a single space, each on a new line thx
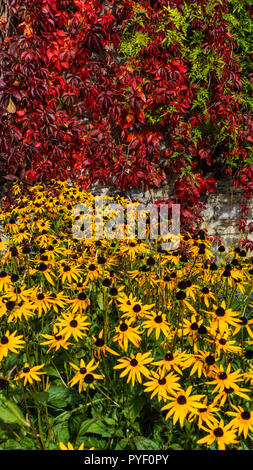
125 333
242 421
135 366
161 384
220 433
85 375
222 317
75 325
157 322
226 379
182 403
69 446
10 342
30 374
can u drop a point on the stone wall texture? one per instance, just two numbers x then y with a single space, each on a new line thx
221 214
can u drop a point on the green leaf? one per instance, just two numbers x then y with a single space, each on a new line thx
11 444
175 447
11 413
100 300
60 432
42 397
60 396
122 444
94 426
28 443
143 443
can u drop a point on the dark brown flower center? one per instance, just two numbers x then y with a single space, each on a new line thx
82 370
73 323
123 327
205 290
158 319
220 312
10 304
92 267
82 296
222 341
223 376
99 342
133 362
89 378
245 415
162 381
66 268
168 357
181 400
4 340
40 296
136 308
218 432
210 360
26 370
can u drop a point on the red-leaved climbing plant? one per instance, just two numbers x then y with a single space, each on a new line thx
126 93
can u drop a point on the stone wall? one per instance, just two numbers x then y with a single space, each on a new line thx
221 214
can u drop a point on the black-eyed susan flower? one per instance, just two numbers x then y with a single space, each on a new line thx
125 333
55 341
30 374
58 300
244 324
131 248
161 384
230 393
132 307
157 322
224 344
172 360
19 293
220 433
222 317
10 342
75 325
79 303
5 281
42 302
242 420
69 446
206 294
3 245
69 273
202 362
206 415
248 376
22 311
226 378
190 328
100 347
85 375
46 270
166 282
181 403
135 366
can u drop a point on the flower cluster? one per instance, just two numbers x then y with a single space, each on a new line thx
114 316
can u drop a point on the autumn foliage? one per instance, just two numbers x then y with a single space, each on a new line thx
128 93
